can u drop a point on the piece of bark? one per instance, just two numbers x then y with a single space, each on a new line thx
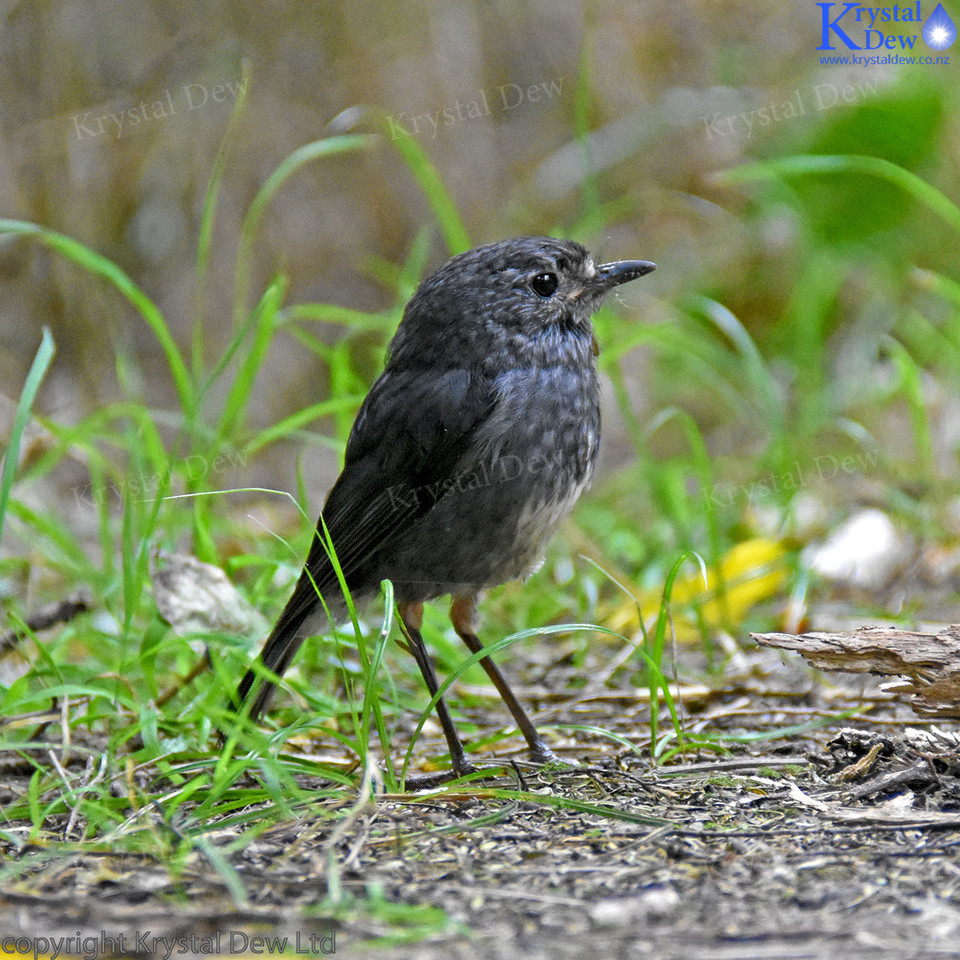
928 663
919 772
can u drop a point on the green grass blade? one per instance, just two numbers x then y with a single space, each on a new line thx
425 173
235 406
756 370
100 266
205 238
371 692
55 534
705 477
38 370
296 421
355 321
806 164
300 157
231 879
911 384
656 643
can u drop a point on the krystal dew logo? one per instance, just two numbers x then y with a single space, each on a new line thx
938 30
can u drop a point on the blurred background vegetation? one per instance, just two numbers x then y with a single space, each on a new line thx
798 315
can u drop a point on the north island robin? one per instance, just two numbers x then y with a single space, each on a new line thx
470 448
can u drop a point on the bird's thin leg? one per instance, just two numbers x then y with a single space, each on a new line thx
463 615
412 616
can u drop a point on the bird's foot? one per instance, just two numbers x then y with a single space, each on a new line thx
541 753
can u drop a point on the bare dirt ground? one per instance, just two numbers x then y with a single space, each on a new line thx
839 841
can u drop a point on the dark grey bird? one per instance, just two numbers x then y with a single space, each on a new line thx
471 447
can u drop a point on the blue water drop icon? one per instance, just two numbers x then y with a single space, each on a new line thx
939 32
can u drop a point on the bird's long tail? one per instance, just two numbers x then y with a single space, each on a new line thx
302 617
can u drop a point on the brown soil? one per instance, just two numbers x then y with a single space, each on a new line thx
841 842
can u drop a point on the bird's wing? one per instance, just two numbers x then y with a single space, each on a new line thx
413 430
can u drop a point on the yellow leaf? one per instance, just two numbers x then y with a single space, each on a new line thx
751 572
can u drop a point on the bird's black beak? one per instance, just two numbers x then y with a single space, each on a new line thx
623 271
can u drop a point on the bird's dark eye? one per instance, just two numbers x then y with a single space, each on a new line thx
544 284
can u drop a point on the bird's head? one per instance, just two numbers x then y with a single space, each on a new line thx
522 296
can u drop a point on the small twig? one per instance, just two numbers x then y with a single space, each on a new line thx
44 618
516 770
75 794
199 667
919 770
